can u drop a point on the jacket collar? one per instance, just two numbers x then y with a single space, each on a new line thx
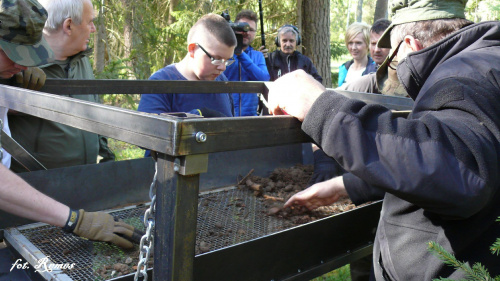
77 56
414 70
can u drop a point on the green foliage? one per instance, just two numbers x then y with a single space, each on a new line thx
475 273
124 151
340 274
337 50
495 248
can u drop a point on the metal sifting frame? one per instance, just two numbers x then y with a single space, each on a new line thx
225 217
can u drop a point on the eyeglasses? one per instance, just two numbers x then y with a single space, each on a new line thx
216 61
392 64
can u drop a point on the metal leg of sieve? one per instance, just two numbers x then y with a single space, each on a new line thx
176 214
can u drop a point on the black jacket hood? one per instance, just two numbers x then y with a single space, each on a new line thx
414 70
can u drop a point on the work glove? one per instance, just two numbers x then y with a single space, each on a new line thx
100 226
32 78
207 112
325 168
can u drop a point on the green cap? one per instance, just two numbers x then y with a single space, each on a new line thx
405 11
21 26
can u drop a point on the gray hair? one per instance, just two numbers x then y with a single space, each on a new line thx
60 10
288 29
427 32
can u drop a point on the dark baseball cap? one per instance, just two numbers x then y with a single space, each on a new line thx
21 32
405 11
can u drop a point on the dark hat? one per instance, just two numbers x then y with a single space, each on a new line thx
21 30
405 11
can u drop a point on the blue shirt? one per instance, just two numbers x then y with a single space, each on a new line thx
253 68
163 103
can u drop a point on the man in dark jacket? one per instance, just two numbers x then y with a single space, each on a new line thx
439 167
287 59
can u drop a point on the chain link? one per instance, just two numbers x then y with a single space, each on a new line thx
147 240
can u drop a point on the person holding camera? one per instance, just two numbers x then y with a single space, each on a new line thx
249 65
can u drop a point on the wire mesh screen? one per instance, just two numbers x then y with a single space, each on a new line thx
224 218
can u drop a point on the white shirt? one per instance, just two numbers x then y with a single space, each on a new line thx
3 115
352 75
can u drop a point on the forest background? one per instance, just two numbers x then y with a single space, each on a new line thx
136 38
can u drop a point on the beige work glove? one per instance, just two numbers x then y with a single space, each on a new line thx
99 226
32 78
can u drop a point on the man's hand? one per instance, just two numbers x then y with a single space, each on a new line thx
32 78
264 51
321 194
293 94
101 226
325 167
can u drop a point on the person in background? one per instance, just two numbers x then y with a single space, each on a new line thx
249 65
286 58
22 46
437 169
357 40
378 54
210 45
67 30
385 80
362 268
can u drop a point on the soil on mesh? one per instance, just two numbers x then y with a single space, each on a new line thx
273 191
282 184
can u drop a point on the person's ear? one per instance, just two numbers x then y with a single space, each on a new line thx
66 26
191 49
412 43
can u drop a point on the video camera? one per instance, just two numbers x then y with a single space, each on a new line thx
240 26
237 28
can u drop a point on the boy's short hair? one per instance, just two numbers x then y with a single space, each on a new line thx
247 14
216 27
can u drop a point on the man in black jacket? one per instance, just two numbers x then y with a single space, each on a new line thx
286 59
437 170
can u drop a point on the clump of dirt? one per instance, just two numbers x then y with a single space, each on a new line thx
282 184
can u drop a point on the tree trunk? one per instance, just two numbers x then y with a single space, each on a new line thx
380 10
100 41
169 58
315 34
127 34
359 11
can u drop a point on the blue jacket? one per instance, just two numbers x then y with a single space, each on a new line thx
371 66
248 66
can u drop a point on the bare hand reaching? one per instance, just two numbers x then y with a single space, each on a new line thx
321 194
293 94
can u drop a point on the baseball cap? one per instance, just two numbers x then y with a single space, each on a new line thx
21 26
405 11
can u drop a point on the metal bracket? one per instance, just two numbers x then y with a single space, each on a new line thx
191 164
